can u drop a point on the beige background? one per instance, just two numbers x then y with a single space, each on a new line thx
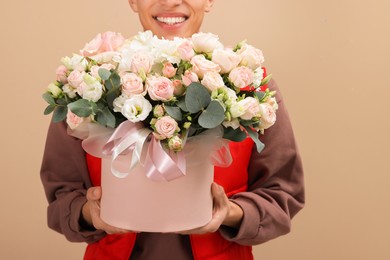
331 59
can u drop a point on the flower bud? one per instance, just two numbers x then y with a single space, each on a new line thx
54 90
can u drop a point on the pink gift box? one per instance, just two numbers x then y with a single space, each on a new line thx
138 203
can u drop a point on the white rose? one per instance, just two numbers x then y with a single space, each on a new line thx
206 42
250 56
212 81
136 108
226 59
90 89
258 77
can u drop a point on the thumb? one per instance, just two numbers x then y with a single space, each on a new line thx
94 193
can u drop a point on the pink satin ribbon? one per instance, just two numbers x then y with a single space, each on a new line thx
136 141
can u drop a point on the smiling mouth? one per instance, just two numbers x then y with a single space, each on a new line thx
171 20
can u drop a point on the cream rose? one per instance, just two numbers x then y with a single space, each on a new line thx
90 89
212 81
73 120
226 59
267 116
75 78
246 109
186 51
189 77
251 56
206 42
241 77
165 127
141 63
136 108
131 84
200 65
69 90
160 88
61 74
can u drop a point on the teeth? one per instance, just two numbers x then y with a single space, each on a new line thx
171 20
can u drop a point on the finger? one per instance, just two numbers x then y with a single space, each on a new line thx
94 193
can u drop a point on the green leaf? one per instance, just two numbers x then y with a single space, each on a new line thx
260 95
248 122
48 98
113 82
174 112
49 109
82 107
197 97
182 104
212 116
105 117
255 137
235 135
104 74
60 113
266 80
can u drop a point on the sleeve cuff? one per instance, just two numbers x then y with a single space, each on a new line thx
246 230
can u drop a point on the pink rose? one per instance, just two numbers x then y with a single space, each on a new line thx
160 88
246 109
179 89
200 65
226 59
73 120
212 81
168 70
108 41
175 144
250 56
61 74
186 51
95 69
131 84
75 78
158 111
268 116
189 77
141 63
241 77
165 127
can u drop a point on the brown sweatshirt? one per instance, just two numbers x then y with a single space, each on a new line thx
275 192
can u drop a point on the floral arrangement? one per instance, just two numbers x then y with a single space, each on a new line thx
178 88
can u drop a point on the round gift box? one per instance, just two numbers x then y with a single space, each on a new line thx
138 203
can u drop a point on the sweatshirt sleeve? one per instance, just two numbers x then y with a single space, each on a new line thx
276 185
65 178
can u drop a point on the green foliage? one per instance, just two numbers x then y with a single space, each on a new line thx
197 97
48 98
235 135
105 117
212 116
60 113
174 112
49 109
83 107
104 74
255 137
